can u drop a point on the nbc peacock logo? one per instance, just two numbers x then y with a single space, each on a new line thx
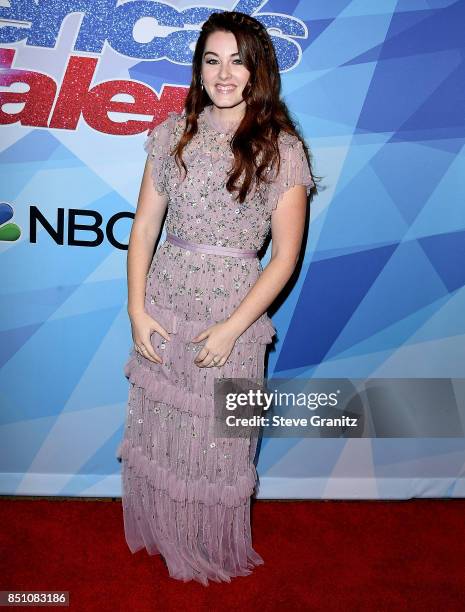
9 232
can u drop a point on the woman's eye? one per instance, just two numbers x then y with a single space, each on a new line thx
213 61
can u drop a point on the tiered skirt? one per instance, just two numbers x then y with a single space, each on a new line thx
186 493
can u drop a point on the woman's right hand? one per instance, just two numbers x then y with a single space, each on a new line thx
142 327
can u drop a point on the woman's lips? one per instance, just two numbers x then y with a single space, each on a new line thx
225 89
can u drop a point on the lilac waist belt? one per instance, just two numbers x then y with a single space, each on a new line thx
209 248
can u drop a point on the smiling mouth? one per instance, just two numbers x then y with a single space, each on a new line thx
225 88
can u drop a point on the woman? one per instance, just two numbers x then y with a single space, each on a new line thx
200 311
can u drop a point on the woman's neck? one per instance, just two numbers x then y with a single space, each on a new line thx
225 120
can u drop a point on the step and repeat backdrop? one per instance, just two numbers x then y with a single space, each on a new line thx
377 91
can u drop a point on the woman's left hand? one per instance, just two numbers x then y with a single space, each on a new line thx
220 342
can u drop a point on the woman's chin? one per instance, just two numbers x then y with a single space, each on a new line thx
225 101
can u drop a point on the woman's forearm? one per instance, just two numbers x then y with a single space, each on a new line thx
267 287
140 253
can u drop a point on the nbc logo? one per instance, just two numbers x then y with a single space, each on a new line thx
9 232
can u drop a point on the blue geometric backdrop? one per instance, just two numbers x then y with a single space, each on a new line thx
377 89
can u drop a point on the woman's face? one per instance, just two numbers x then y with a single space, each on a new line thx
223 73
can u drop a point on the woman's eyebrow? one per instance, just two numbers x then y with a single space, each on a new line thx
213 53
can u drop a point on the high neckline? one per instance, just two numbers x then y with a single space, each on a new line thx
229 128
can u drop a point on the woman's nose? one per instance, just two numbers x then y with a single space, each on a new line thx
224 71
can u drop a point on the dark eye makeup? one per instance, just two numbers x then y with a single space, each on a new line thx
209 61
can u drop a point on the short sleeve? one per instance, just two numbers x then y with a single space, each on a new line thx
294 169
157 146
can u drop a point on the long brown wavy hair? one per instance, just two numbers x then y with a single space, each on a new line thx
255 142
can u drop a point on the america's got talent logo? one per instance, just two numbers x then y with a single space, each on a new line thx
9 232
136 30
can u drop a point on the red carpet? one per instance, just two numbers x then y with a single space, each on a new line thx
319 555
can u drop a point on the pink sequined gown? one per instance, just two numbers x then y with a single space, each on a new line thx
186 494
